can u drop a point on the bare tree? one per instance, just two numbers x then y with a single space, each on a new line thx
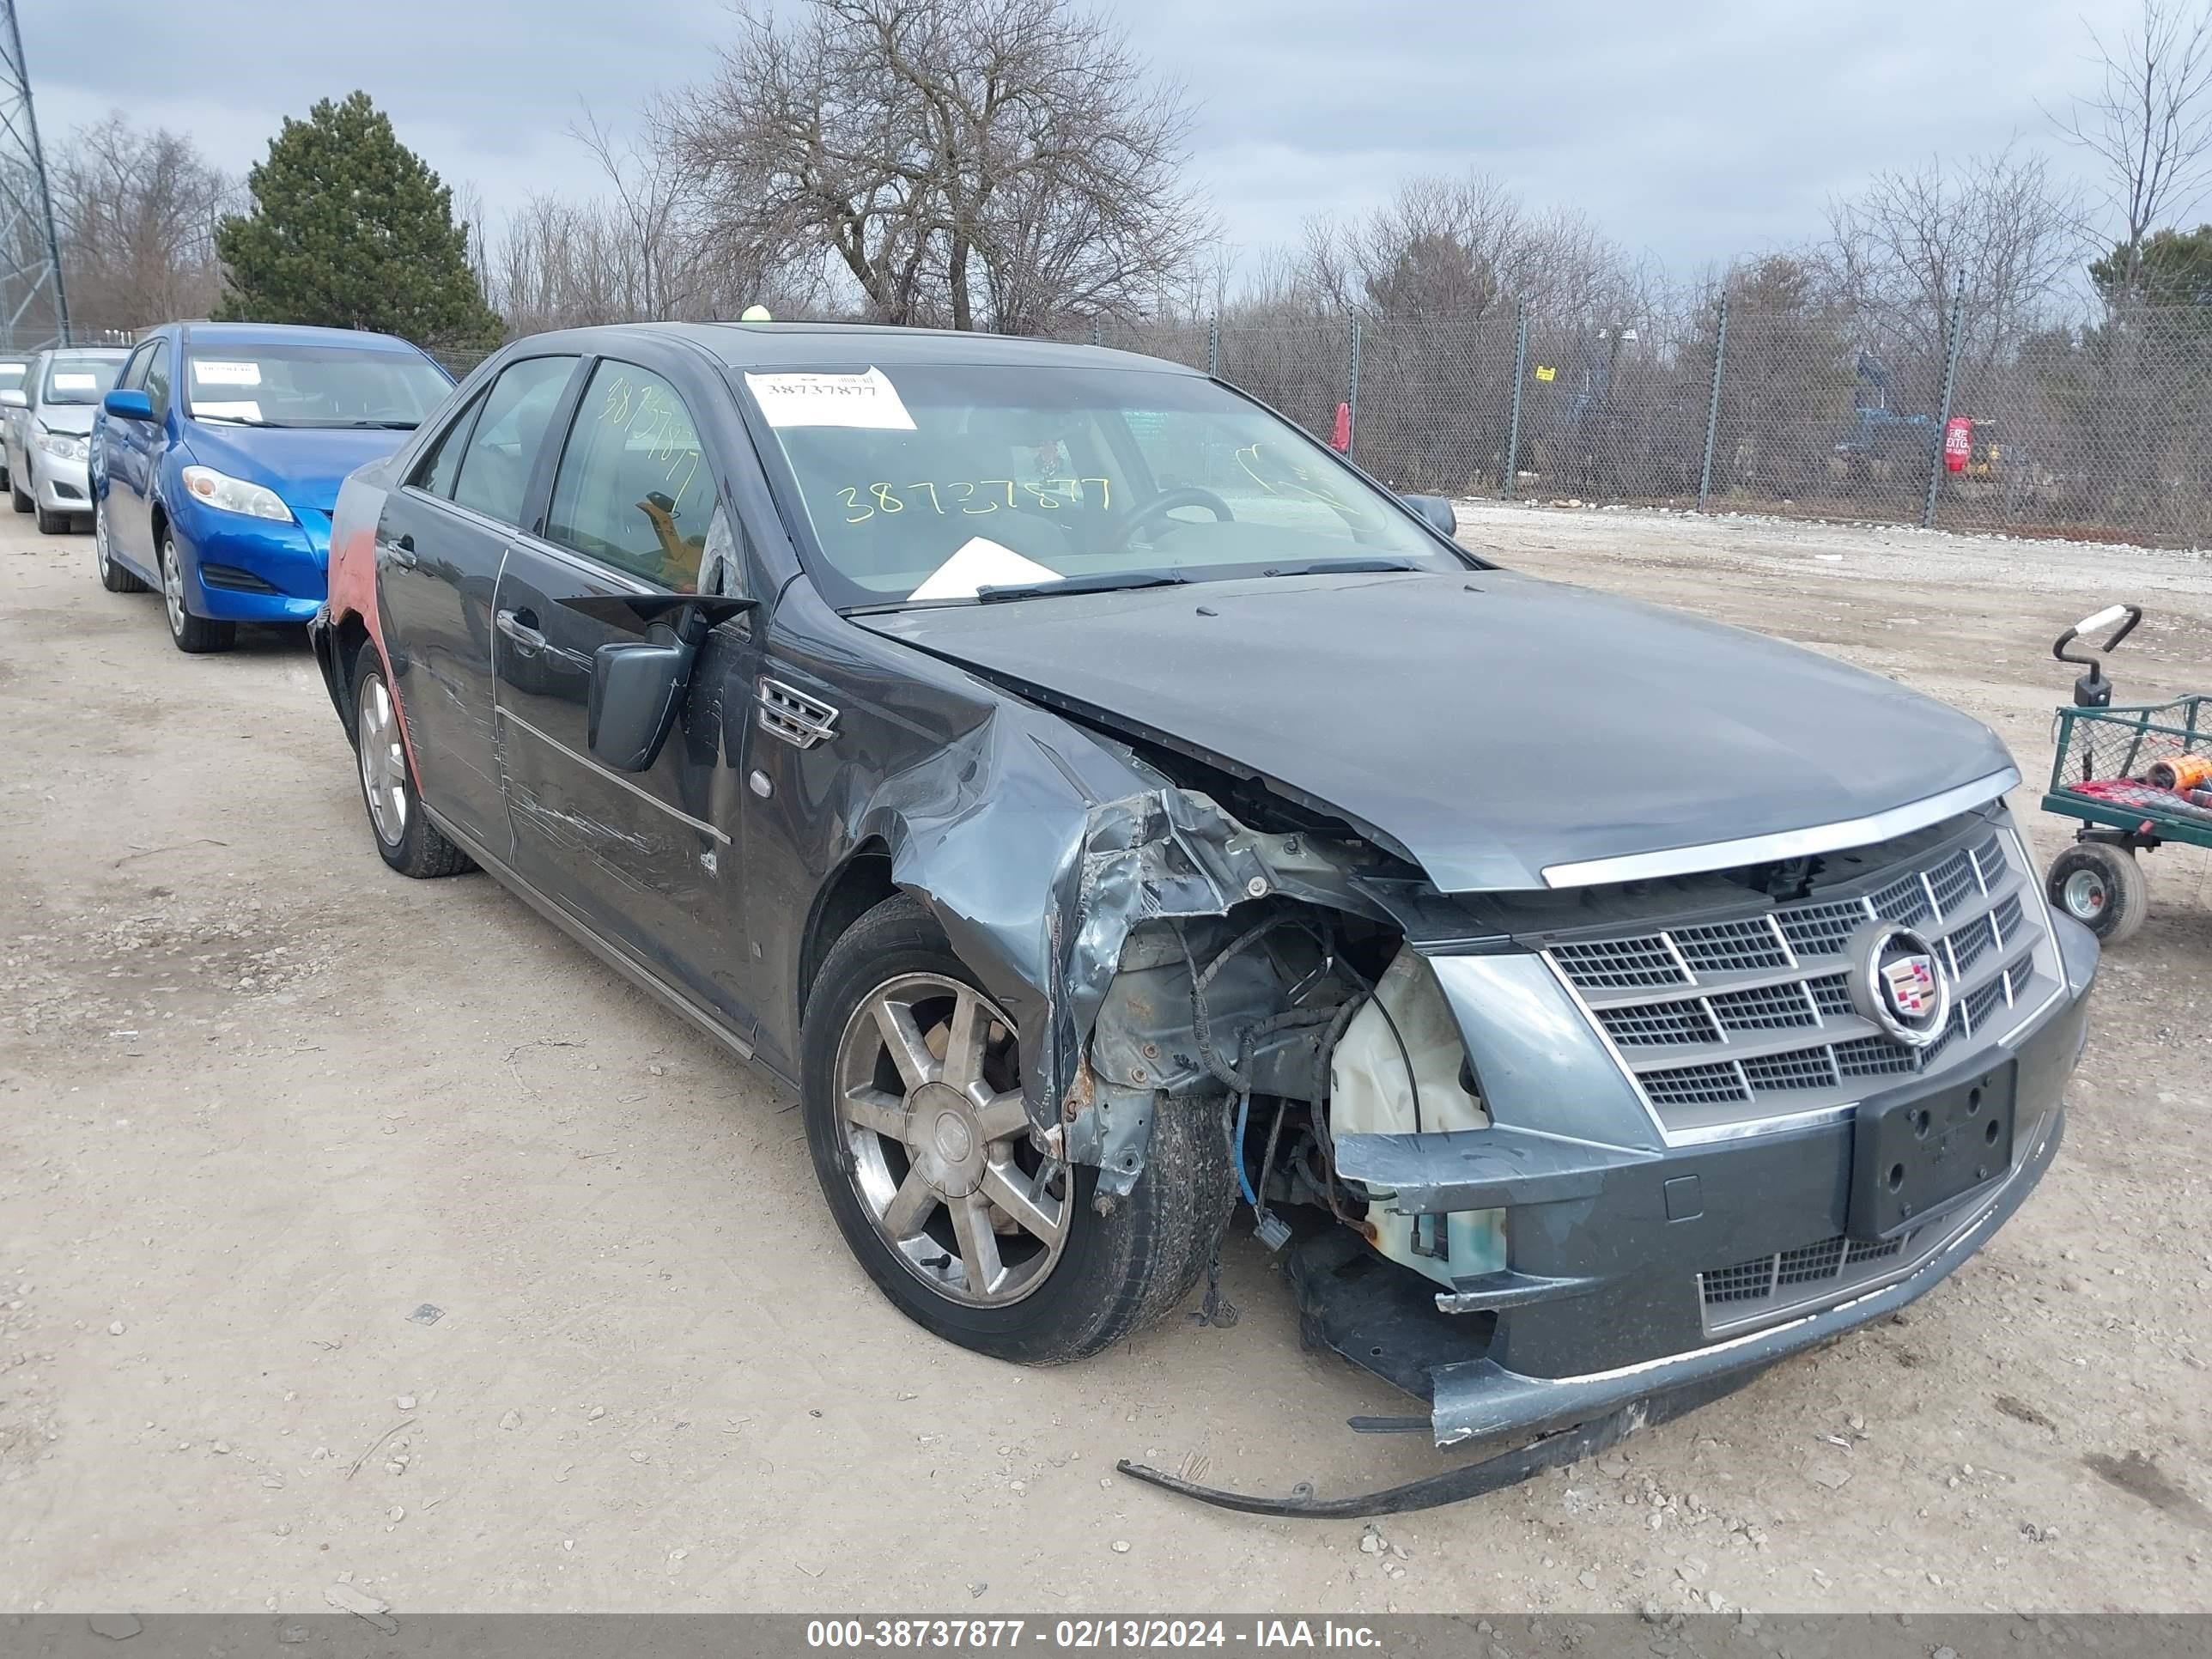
1457 247
635 251
1007 161
1895 250
136 211
2149 123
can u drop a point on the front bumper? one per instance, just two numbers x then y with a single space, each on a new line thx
252 570
60 486
1601 1304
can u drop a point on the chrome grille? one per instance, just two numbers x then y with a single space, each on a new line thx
1726 1019
1660 1023
1766 1007
1615 963
1733 947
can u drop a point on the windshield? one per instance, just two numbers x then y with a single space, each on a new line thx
312 386
944 482
81 380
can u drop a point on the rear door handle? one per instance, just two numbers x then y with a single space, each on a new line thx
521 627
401 552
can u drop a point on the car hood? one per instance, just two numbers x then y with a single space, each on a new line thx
305 466
1489 724
75 419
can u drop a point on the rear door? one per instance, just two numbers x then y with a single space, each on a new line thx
645 859
440 543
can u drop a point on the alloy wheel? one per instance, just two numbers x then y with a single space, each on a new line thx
172 589
929 1098
383 762
100 540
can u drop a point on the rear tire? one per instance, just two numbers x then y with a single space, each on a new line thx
1102 1277
2101 885
112 576
194 634
405 838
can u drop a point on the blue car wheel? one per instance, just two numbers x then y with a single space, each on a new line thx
194 634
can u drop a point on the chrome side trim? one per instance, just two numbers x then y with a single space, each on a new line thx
1783 844
615 957
507 716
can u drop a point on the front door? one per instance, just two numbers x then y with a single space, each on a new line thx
131 451
645 859
440 543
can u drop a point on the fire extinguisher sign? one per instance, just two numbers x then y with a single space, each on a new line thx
1958 443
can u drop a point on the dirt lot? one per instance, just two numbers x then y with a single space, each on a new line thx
262 1101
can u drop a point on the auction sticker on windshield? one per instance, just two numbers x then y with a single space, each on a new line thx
810 399
75 382
208 372
980 563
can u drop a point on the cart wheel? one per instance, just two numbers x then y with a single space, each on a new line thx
2102 887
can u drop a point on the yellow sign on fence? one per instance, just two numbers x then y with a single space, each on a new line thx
1546 372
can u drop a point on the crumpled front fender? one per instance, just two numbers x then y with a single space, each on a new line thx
1040 851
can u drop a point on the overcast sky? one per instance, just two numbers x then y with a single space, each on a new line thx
1690 130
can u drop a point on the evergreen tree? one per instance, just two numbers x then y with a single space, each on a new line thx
352 229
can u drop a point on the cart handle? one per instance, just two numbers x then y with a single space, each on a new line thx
2105 618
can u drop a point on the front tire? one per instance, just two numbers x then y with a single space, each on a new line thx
21 499
2101 885
405 837
50 524
912 1098
194 634
112 576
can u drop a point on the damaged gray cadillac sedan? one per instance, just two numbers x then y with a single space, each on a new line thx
1114 813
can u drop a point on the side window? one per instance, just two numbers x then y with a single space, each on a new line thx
634 490
494 475
134 372
157 380
441 463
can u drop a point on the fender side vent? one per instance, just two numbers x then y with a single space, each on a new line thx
796 718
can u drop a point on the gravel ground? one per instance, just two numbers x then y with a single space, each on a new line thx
263 1106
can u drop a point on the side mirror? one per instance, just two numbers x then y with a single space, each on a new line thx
127 405
637 686
14 398
1435 512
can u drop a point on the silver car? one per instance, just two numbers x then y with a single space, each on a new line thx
48 428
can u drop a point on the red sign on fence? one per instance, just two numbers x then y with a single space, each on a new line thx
1958 443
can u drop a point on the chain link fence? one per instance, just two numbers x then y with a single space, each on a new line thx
2099 430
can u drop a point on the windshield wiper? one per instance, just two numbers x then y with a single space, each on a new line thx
1103 582
1337 568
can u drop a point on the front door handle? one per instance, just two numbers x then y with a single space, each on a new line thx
521 627
401 552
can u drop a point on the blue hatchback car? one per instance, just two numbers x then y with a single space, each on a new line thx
217 460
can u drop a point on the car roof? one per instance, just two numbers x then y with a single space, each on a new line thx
90 354
246 334
799 345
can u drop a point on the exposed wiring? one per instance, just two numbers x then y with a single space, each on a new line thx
1243 1180
1406 1055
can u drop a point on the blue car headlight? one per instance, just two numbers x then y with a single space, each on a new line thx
61 445
228 494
